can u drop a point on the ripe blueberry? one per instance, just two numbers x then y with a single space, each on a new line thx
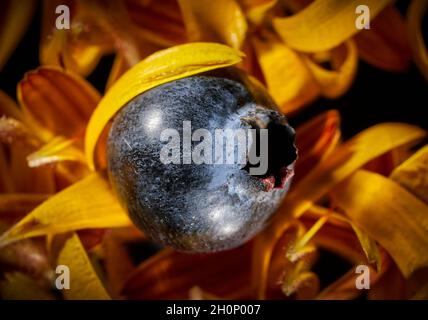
198 207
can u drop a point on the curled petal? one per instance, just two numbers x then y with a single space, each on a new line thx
287 77
60 101
161 67
415 15
385 44
324 24
400 222
334 83
217 21
84 281
89 203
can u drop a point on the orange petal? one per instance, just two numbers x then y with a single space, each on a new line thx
415 14
214 21
400 224
158 22
315 140
170 275
16 204
385 44
60 101
287 77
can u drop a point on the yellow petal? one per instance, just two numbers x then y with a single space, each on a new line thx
346 159
341 163
415 15
89 203
256 10
413 174
287 77
389 214
164 66
56 150
84 282
13 24
334 83
60 101
369 246
324 24
216 21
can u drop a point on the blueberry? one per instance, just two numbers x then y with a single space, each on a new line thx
199 207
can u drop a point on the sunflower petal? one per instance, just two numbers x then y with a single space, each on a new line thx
334 83
84 282
389 214
324 24
56 150
413 174
87 204
287 77
164 66
345 160
415 15
217 21
58 100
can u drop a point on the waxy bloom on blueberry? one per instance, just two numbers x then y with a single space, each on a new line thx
199 207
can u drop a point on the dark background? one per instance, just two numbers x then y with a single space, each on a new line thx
376 96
